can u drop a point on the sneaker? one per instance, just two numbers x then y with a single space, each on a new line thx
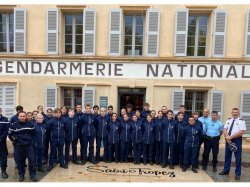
164 165
194 170
214 169
184 169
4 175
171 166
21 178
64 166
204 168
83 162
40 169
76 162
223 173
237 177
50 168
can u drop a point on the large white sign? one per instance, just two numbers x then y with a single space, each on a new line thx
127 70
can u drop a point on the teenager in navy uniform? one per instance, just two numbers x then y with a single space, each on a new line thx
204 119
57 139
125 138
158 132
4 127
113 138
197 122
21 133
179 143
109 114
88 123
234 129
96 111
39 141
145 112
182 109
47 118
164 110
64 112
148 140
123 112
34 115
136 136
78 115
213 131
102 136
71 136
129 108
30 117
169 130
138 115
191 135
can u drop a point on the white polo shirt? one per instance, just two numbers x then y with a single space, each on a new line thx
239 125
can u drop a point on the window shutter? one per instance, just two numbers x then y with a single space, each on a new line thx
19 30
245 109
88 96
219 38
8 100
52 31
247 37
51 97
217 98
89 20
153 26
181 30
115 24
104 102
178 98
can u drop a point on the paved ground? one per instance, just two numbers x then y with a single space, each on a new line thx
130 172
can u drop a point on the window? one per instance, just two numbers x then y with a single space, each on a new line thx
133 38
73 33
72 96
6 32
195 101
197 35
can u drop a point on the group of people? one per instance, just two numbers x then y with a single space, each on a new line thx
147 136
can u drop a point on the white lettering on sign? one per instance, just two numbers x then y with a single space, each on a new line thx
127 70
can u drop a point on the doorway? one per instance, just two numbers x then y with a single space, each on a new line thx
134 96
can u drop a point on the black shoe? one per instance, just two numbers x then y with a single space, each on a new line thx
204 168
184 169
145 163
76 162
223 173
97 161
135 162
4 175
197 167
151 163
194 170
83 162
21 178
50 168
214 169
93 161
157 163
237 177
116 161
40 169
126 161
33 179
164 165
181 166
109 161
105 160
65 166
171 166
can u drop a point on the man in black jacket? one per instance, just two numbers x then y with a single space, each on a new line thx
21 133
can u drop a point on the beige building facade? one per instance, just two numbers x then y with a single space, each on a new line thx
54 55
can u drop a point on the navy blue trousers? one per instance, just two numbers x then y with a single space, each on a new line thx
99 142
190 153
74 150
88 142
137 151
56 146
148 152
23 152
114 148
168 148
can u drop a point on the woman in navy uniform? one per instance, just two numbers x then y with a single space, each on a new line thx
148 140
21 133
4 127
113 138
39 141
158 131
233 131
136 136
125 137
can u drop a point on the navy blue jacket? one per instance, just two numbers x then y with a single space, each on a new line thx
199 123
148 132
169 130
87 122
144 114
4 128
57 129
136 131
79 125
14 119
108 117
185 117
158 130
71 129
125 132
113 132
65 116
40 135
102 127
191 135
47 119
181 125
21 133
